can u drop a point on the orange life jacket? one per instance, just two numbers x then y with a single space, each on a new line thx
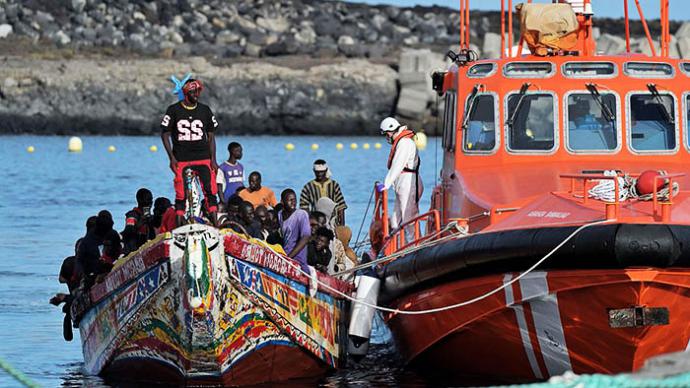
405 133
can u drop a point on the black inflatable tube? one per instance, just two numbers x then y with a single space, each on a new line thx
596 247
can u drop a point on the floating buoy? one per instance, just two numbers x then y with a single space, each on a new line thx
30 149
420 140
289 147
377 146
75 144
353 146
314 147
153 148
366 146
112 148
645 182
339 146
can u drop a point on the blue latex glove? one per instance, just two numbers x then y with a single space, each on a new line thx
179 84
380 187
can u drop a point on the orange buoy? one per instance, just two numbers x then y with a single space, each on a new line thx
645 182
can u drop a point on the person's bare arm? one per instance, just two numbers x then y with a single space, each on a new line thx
167 143
300 245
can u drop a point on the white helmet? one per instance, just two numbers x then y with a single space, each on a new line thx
389 124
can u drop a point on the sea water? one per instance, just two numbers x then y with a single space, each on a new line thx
47 195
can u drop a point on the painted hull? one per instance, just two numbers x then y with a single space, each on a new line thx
203 306
545 324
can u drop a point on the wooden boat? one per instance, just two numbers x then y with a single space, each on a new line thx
205 306
530 270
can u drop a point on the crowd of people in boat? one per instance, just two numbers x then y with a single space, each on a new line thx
312 232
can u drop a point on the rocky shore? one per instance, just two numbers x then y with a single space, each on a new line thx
274 66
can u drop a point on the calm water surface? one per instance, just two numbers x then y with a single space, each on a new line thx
46 196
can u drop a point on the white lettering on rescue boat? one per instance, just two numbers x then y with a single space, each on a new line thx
548 214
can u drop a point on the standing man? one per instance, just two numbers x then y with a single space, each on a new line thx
403 171
323 186
231 173
191 126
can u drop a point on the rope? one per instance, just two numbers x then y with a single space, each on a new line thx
605 190
432 241
454 306
371 196
17 375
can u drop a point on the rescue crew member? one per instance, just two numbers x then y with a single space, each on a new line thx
403 172
323 186
191 125
138 223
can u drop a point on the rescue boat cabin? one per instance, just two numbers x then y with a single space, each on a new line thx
514 126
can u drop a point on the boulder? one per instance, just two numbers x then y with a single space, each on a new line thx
683 31
491 47
5 30
610 44
412 103
278 24
684 47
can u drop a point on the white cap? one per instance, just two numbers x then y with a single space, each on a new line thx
389 124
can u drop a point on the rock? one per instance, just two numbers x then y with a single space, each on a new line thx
412 103
135 42
279 24
218 23
61 38
10 83
492 45
345 40
327 25
138 16
683 31
378 21
5 30
610 44
227 37
252 50
175 37
78 5
305 36
684 47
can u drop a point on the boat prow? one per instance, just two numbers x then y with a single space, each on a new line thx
207 306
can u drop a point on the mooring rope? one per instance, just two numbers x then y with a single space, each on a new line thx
17 375
453 306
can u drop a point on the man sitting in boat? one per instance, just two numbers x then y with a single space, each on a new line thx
294 224
246 222
318 254
163 215
138 222
230 175
403 172
191 125
90 250
269 226
323 186
256 194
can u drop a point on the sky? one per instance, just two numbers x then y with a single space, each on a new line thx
680 9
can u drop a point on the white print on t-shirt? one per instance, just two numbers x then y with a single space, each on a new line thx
190 131
166 121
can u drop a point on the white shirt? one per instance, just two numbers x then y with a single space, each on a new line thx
405 155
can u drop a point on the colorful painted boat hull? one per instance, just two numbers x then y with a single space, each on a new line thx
183 309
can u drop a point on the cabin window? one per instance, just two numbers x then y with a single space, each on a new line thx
652 122
685 68
648 70
530 122
591 122
481 70
528 69
449 117
479 128
589 70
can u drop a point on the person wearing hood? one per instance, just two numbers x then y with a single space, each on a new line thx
323 186
403 172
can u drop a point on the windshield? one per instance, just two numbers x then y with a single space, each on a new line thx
650 126
588 127
480 133
533 128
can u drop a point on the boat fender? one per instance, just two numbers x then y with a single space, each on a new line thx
362 316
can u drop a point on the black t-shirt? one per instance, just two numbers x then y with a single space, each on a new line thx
189 129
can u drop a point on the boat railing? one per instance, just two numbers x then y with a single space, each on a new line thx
409 234
662 207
